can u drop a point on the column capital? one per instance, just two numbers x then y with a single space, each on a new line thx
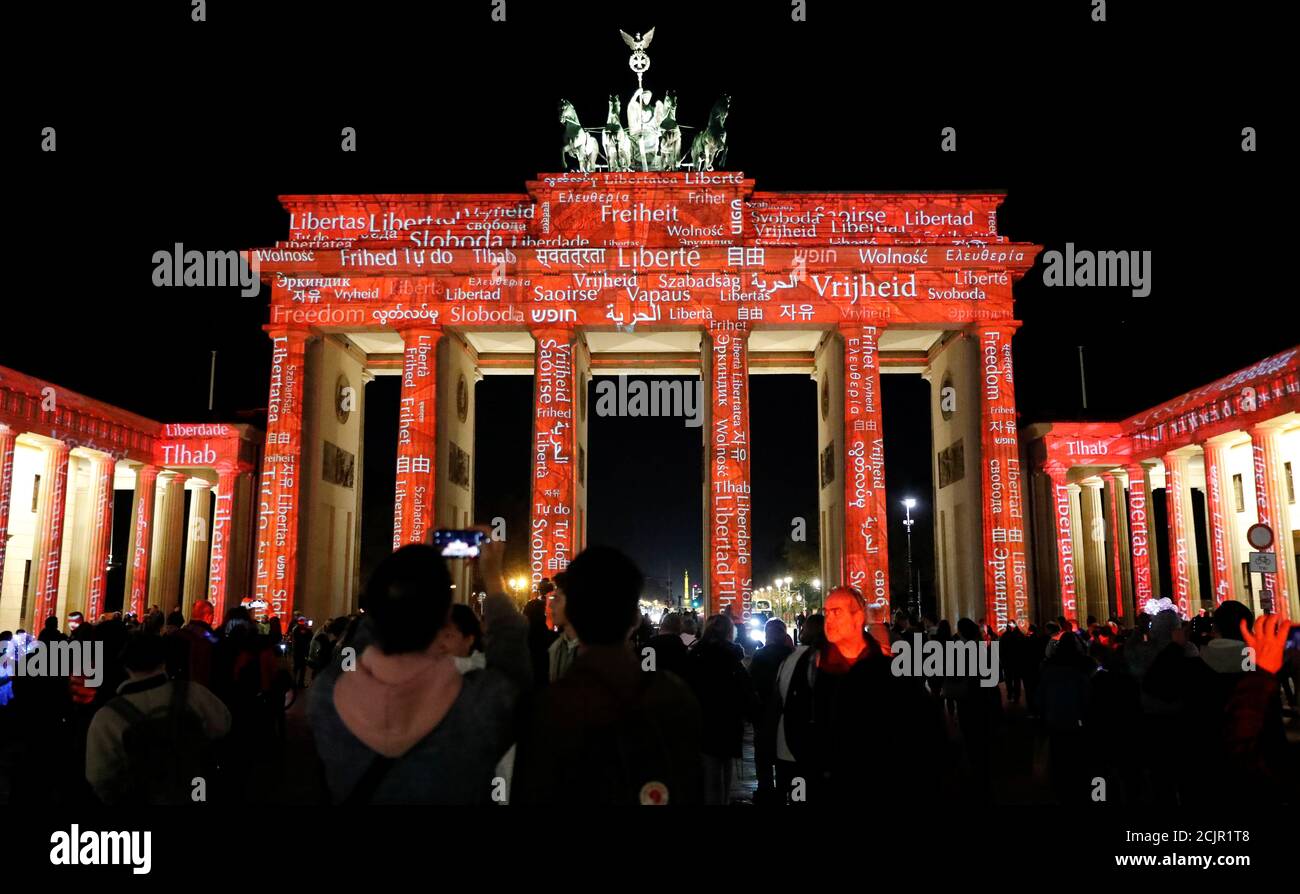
1093 482
410 329
1057 471
294 332
1115 474
1007 326
878 325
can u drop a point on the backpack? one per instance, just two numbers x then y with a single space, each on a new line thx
164 751
797 709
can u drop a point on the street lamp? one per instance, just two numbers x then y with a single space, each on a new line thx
913 597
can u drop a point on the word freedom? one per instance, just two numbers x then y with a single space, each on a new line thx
656 398
1101 269
955 658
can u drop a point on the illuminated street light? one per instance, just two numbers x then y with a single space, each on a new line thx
913 595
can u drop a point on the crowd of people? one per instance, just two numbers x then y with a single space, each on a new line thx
579 699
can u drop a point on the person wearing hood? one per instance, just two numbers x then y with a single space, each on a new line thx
396 722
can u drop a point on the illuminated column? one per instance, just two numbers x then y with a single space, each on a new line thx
146 483
866 552
164 588
1271 508
1139 521
7 438
417 447
197 535
47 548
551 537
1063 526
729 573
1076 537
1185 587
278 487
1094 550
1005 572
222 542
102 468
1220 518
1117 549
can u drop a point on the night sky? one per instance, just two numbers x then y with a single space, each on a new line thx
184 132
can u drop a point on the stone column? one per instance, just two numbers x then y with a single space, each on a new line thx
1139 520
165 588
102 469
47 546
198 535
222 543
866 544
417 446
1063 528
1185 589
1094 550
1271 509
1006 576
7 439
1220 518
729 570
146 484
552 535
1077 533
278 494
1117 549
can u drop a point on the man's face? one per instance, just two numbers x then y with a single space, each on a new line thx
557 608
843 619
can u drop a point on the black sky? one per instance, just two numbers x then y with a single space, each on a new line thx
1122 136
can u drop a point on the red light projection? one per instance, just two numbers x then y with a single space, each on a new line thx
1005 578
417 445
278 490
656 251
866 533
552 538
1140 552
49 532
1216 510
146 484
731 577
101 535
1271 507
1181 539
1063 526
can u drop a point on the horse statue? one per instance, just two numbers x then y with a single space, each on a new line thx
644 131
614 140
577 142
710 144
670 133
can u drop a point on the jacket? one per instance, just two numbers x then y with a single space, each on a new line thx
443 732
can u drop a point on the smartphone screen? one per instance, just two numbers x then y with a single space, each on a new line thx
456 544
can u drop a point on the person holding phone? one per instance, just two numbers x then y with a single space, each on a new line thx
395 721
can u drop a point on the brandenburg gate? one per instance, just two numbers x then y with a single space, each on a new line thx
596 273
